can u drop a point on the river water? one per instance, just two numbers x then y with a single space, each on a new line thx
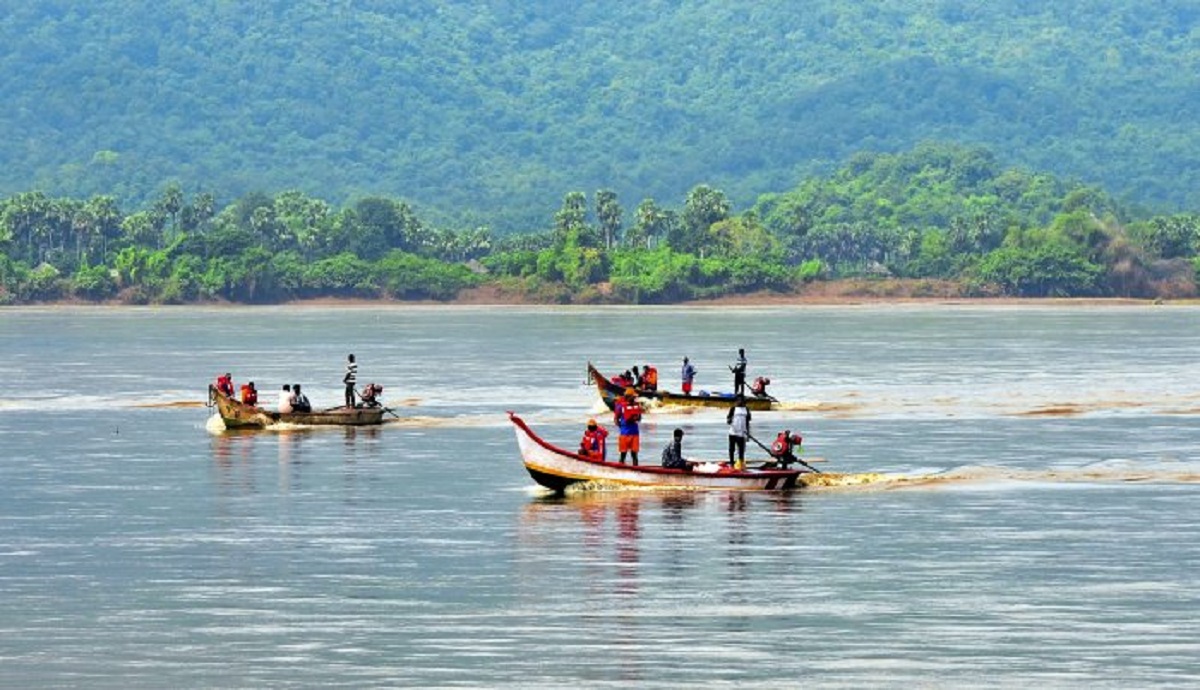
1020 504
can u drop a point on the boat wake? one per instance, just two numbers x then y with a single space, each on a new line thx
1117 472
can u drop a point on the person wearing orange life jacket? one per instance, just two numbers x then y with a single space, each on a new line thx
593 444
249 394
627 413
785 447
649 378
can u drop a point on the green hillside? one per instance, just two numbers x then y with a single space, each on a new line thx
487 113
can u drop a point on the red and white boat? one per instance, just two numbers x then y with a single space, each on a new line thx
556 468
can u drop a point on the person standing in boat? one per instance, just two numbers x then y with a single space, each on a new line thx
350 379
687 374
286 399
300 402
672 455
594 443
739 373
627 413
738 419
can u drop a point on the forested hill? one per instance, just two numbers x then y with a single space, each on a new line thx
487 113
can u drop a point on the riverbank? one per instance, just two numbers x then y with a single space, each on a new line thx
829 293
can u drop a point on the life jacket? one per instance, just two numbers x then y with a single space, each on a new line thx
632 413
650 377
593 440
759 387
225 385
249 396
782 444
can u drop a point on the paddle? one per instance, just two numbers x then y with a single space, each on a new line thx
389 411
760 445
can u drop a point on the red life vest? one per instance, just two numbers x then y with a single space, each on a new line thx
782 444
225 385
593 441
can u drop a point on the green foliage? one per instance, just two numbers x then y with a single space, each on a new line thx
94 283
653 276
1045 271
941 213
343 275
519 263
406 276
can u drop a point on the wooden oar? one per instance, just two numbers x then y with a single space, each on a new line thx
760 445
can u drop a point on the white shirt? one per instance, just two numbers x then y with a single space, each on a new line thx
285 401
740 424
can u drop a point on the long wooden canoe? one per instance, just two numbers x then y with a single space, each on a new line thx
556 468
609 392
238 415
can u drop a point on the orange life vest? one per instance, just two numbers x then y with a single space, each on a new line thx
650 377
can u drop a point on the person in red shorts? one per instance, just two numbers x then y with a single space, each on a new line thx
627 413
688 373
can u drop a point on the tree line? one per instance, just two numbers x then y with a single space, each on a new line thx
494 109
938 212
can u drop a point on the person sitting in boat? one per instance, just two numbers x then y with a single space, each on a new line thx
649 378
759 387
624 379
672 455
225 384
639 380
249 394
369 396
786 446
593 444
287 399
301 403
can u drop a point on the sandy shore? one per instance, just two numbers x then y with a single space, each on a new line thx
829 293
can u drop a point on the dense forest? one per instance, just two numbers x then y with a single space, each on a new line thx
936 213
486 113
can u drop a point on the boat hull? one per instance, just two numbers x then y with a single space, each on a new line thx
238 415
609 392
556 469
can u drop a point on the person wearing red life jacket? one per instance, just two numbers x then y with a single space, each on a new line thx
759 387
249 394
627 413
225 384
785 447
593 444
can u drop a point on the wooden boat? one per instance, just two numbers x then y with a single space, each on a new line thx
556 469
609 392
237 414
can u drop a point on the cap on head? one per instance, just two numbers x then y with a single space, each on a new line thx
630 392
591 422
